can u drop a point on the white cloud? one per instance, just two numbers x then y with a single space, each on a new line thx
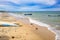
52 9
36 8
5 6
28 8
47 2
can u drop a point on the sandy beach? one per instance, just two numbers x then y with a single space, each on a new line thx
26 30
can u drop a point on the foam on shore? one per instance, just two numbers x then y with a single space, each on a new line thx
39 23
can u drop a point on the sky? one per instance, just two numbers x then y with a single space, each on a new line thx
29 5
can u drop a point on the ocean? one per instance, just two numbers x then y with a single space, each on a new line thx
51 18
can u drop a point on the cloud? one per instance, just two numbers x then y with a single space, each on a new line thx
47 2
29 5
52 9
7 8
28 8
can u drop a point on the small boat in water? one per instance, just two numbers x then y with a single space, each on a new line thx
27 14
53 15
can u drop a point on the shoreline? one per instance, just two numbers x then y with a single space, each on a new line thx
41 24
35 22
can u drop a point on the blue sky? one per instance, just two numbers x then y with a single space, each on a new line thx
29 5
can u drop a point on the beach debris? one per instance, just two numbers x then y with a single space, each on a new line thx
31 23
18 24
36 28
13 37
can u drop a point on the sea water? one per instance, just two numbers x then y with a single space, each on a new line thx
49 17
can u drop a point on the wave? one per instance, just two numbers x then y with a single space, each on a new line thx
39 23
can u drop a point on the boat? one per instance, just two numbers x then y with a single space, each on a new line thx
53 15
24 30
27 14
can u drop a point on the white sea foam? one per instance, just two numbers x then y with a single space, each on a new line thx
39 23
